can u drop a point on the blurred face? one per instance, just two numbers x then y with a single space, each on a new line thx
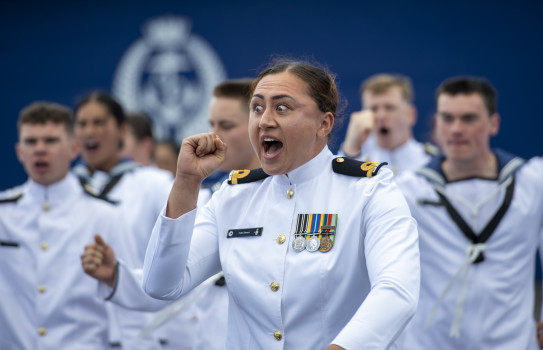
99 135
45 151
285 126
395 117
463 127
228 118
165 158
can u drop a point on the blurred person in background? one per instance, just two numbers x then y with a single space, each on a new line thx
138 141
383 130
46 300
228 118
479 213
140 192
165 155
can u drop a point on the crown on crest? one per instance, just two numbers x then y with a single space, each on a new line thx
168 31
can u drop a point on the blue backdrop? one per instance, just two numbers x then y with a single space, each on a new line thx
57 50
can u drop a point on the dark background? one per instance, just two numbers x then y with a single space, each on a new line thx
55 50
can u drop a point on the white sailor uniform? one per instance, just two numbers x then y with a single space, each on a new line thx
411 155
358 293
478 243
46 300
140 193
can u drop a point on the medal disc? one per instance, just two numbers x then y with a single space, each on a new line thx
326 244
299 243
313 244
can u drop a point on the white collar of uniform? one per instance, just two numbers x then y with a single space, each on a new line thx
54 194
311 169
408 150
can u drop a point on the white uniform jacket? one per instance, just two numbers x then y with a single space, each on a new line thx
359 295
411 155
46 300
201 317
487 304
140 193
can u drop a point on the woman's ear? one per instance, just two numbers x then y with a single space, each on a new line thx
326 125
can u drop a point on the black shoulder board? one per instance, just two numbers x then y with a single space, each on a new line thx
246 176
351 167
12 199
88 190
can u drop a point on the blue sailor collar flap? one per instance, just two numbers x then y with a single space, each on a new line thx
246 176
508 164
351 167
125 165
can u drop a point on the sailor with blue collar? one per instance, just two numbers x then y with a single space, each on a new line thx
479 213
358 293
139 191
476 237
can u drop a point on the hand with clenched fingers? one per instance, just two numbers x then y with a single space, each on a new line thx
361 125
98 261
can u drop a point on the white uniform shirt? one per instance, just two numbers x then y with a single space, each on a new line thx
358 295
140 193
411 155
46 300
202 315
498 309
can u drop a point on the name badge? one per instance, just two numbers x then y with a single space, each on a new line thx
9 244
245 232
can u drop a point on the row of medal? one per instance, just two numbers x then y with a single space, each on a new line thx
312 244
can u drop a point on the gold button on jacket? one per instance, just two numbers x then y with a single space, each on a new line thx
274 286
277 335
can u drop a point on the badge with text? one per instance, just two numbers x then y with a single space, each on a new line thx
315 232
244 232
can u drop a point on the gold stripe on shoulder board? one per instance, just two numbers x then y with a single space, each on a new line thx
238 174
369 167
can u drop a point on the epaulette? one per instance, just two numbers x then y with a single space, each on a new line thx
351 167
88 190
246 176
11 199
431 149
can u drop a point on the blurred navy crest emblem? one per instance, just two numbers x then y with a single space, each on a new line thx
169 74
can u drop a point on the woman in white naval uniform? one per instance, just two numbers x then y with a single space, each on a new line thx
357 292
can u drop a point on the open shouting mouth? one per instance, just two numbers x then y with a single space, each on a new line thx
271 146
